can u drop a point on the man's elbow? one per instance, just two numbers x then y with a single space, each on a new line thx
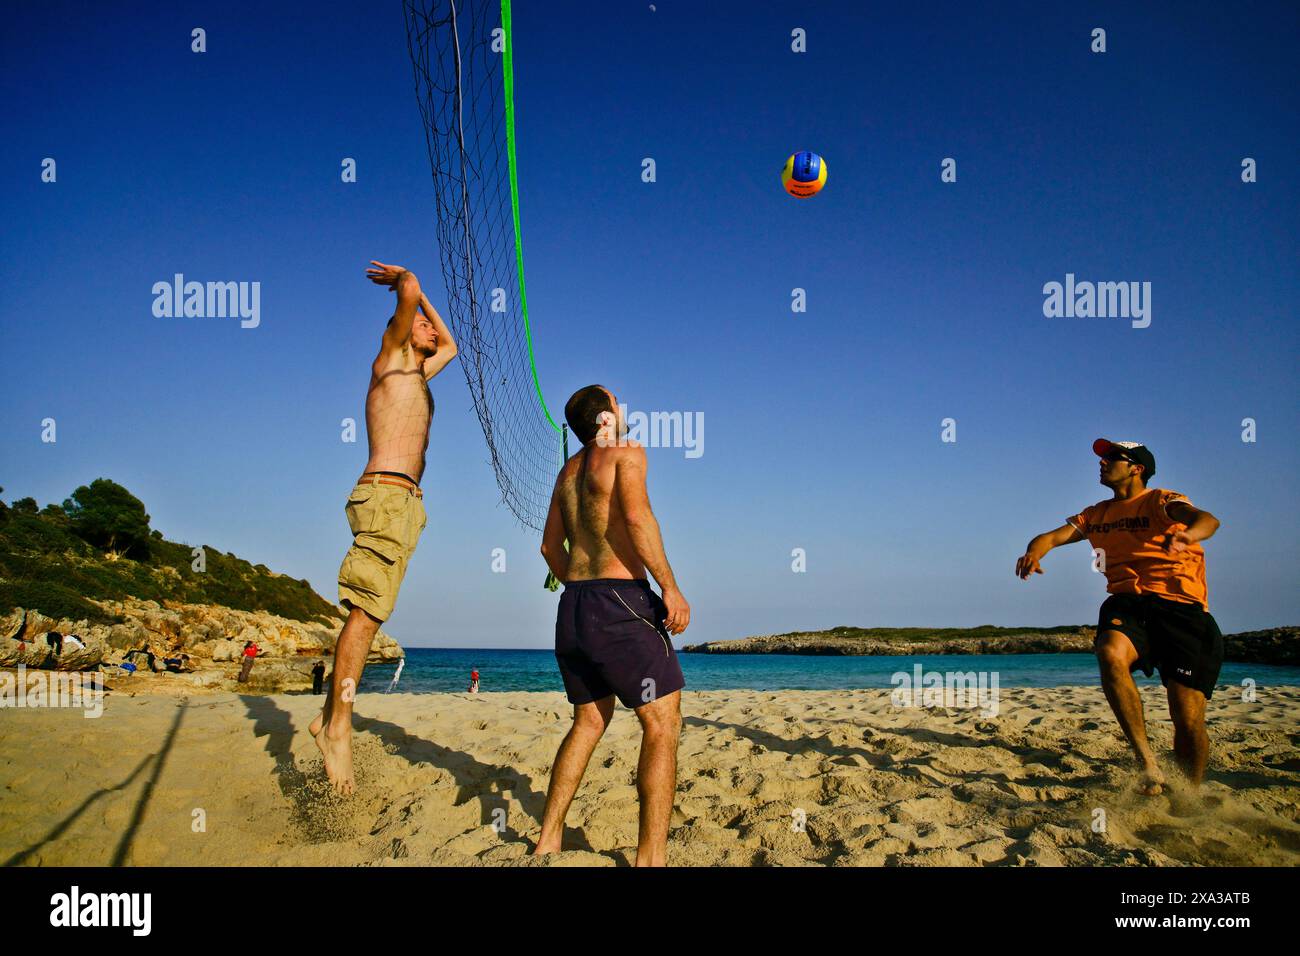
641 518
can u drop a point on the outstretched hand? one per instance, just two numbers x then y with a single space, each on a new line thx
1027 564
381 274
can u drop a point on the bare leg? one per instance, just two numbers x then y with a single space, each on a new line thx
656 776
1117 656
333 727
589 723
1191 743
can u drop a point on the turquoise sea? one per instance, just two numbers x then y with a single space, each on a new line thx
440 670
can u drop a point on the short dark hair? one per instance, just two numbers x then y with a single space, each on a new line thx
582 411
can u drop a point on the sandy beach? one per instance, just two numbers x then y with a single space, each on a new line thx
452 779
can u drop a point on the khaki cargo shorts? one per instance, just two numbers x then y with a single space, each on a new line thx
386 522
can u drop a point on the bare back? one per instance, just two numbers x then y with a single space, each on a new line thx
599 543
399 409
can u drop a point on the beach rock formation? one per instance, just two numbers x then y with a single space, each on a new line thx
213 636
1278 645
1274 645
1076 641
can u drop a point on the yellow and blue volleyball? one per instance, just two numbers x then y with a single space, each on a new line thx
804 174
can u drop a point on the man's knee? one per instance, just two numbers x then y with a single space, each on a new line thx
1186 709
1115 651
593 718
362 621
662 717
589 722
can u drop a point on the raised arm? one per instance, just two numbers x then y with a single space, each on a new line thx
407 287
643 529
1027 564
447 350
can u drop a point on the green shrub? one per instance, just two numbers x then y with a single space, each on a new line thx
57 569
52 600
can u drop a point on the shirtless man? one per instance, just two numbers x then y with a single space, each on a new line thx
1157 615
611 630
386 509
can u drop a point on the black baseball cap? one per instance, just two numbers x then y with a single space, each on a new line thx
1135 452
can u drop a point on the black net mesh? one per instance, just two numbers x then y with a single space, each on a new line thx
459 84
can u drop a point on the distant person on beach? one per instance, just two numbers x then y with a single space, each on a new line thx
1157 615
611 629
473 681
148 656
55 641
318 677
249 655
177 665
385 509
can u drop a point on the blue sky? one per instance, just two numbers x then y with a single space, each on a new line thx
822 428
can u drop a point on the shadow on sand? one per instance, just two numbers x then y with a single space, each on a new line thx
157 760
474 779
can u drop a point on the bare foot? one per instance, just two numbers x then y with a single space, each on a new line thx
337 752
316 724
1153 782
544 847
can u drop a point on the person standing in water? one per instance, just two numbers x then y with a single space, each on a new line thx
397 674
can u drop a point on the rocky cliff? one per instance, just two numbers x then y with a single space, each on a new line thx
94 568
213 637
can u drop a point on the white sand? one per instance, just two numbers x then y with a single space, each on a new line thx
876 784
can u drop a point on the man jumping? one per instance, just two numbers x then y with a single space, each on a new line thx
611 630
386 509
1156 616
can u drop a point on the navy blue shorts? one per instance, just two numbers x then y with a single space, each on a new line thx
1180 639
610 639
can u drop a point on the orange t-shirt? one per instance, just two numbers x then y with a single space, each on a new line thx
1133 535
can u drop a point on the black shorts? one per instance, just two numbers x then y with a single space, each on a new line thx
610 639
1180 639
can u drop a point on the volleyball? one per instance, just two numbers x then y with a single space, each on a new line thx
804 174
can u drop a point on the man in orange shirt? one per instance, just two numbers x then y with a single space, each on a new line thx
1156 615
